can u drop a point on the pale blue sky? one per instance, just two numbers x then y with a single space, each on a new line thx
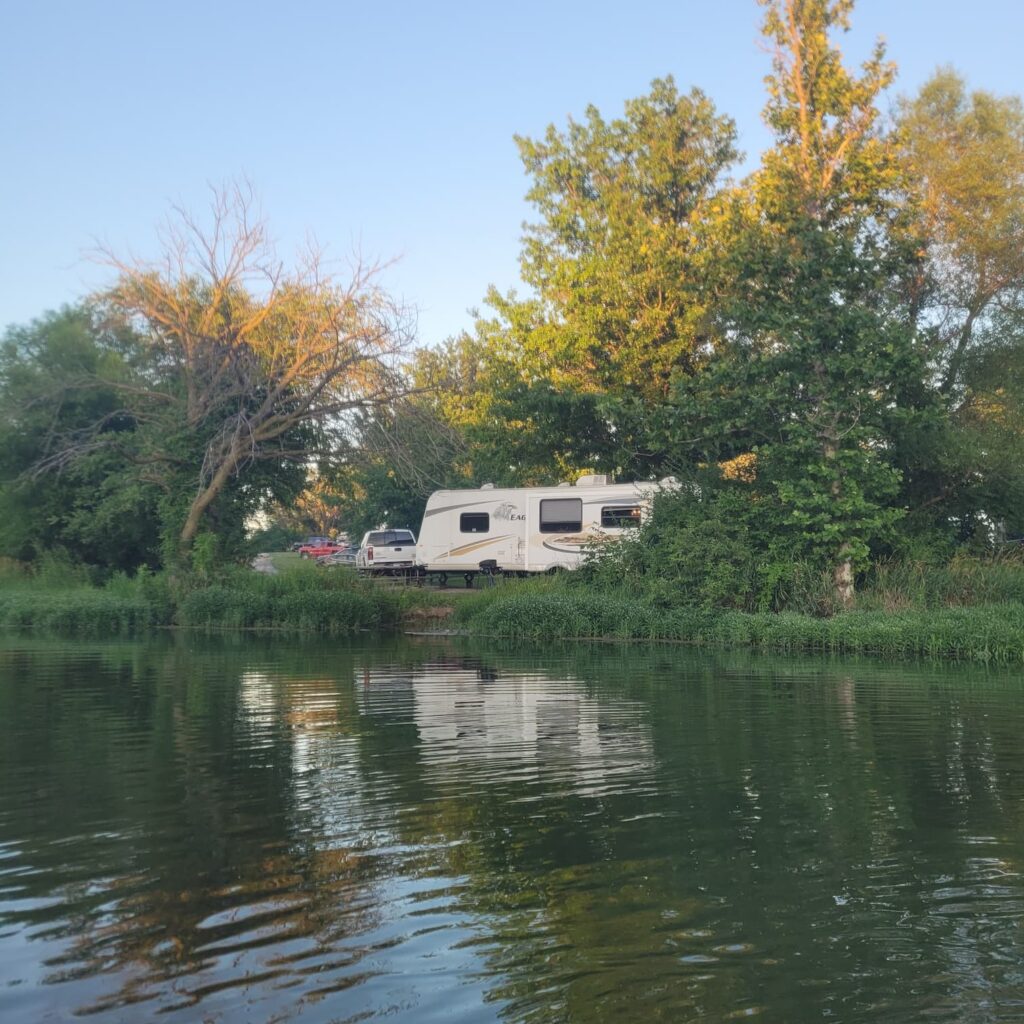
388 126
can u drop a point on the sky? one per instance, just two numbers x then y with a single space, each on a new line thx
381 128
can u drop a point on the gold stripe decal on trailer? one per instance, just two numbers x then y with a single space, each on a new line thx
467 548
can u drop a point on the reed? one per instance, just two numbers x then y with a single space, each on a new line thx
985 633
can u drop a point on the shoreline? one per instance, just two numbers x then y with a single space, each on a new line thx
308 601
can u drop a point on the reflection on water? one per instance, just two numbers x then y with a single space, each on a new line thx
239 831
539 733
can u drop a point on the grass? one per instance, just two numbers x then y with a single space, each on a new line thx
551 610
83 611
968 611
300 598
60 598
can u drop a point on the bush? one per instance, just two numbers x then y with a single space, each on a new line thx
703 547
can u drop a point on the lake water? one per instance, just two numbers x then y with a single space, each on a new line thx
244 830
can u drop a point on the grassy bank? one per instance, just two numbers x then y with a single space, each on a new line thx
969 612
555 610
303 598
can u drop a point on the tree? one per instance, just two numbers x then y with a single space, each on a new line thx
517 426
95 510
614 258
965 157
315 511
249 370
397 457
965 154
818 361
615 261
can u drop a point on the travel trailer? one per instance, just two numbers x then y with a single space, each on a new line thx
527 529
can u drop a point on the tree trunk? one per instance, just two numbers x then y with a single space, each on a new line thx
202 502
957 358
842 570
842 578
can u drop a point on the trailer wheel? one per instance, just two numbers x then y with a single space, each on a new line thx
442 580
469 577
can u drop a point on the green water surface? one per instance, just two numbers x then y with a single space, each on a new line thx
245 830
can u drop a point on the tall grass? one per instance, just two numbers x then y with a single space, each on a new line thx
83 610
897 585
986 633
968 609
304 598
301 599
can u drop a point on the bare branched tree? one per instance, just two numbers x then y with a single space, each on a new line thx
247 359
421 448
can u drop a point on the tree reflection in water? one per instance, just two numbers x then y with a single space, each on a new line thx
413 831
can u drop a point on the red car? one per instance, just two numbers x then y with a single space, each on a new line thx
319 550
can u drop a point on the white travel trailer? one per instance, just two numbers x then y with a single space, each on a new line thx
527 529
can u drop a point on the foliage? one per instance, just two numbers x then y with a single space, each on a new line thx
242 372
614 255
559 382
707 546
519 426
818 366
310 601
303 599
398 455
59 375
965 155
59 598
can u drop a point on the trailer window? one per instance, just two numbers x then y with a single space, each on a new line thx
615 517
474 522
561 515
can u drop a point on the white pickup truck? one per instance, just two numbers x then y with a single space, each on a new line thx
385 551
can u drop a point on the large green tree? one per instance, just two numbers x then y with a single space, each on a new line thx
964 151
619 304
818 362
616 254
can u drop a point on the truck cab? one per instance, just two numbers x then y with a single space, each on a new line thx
382 552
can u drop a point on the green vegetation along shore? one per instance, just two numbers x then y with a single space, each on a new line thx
301 599
973 612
